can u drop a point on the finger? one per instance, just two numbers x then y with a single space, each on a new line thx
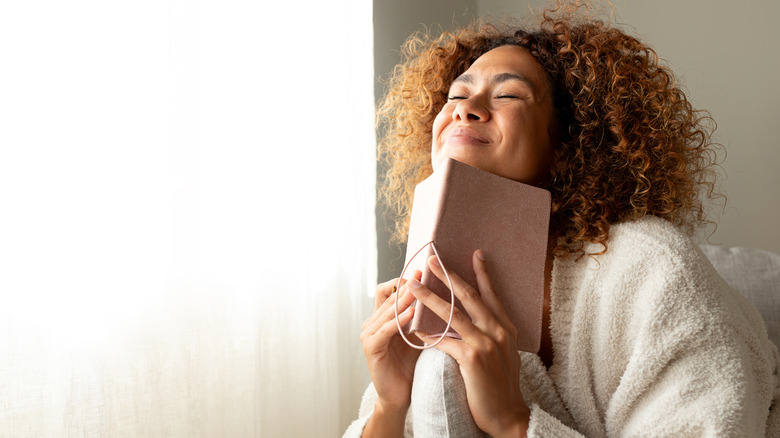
379 312
487 291
384 290
386 311
468 296
389 328
503 332
456 349
492 321
461 322
378 340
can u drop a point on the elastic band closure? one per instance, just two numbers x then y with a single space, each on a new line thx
452 300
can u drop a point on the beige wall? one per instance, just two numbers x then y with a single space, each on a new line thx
723 51
726 53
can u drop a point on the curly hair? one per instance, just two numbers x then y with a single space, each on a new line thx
629 143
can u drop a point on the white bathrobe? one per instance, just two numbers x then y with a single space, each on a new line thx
648 341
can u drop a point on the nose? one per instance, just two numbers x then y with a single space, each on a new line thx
471 109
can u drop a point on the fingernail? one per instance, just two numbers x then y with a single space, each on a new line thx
393 291
480 255
436 261
414 284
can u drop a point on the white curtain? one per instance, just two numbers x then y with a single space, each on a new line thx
186 216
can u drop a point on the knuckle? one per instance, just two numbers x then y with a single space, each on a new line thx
422 291
502 337
471 356
470 293
467 294
490 348
459 316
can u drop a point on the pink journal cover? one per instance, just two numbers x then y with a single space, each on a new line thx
463 209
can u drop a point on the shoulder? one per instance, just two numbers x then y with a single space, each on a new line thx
652 280
650 239
648 255
655 277
648 252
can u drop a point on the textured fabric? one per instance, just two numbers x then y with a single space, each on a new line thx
438 395
650 341
754 273
545 425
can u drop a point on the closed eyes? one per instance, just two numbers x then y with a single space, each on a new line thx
501 96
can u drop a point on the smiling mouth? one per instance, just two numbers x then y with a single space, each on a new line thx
468 136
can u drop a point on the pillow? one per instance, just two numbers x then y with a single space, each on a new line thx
754 273
439 406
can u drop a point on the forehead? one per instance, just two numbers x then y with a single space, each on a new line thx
508 59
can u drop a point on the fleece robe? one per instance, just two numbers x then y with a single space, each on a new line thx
648 340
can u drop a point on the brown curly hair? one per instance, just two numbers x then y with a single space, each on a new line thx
629 143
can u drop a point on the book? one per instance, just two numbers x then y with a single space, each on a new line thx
461 209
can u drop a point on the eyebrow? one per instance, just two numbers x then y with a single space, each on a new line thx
497 79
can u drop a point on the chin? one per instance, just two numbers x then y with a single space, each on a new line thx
465 158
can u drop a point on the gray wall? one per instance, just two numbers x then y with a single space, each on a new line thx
725 54
394 21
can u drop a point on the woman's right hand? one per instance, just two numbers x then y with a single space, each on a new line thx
390 361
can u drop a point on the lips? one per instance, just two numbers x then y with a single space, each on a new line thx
467 136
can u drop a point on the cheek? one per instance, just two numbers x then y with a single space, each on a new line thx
531 152
533 129
439 123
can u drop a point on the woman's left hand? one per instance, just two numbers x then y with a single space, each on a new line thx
487 355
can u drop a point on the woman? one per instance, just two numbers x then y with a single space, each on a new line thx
641 337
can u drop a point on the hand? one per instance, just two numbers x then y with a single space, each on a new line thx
390 361
487 355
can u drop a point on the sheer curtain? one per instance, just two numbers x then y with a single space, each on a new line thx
186 217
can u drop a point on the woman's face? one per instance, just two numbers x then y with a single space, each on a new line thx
498 117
